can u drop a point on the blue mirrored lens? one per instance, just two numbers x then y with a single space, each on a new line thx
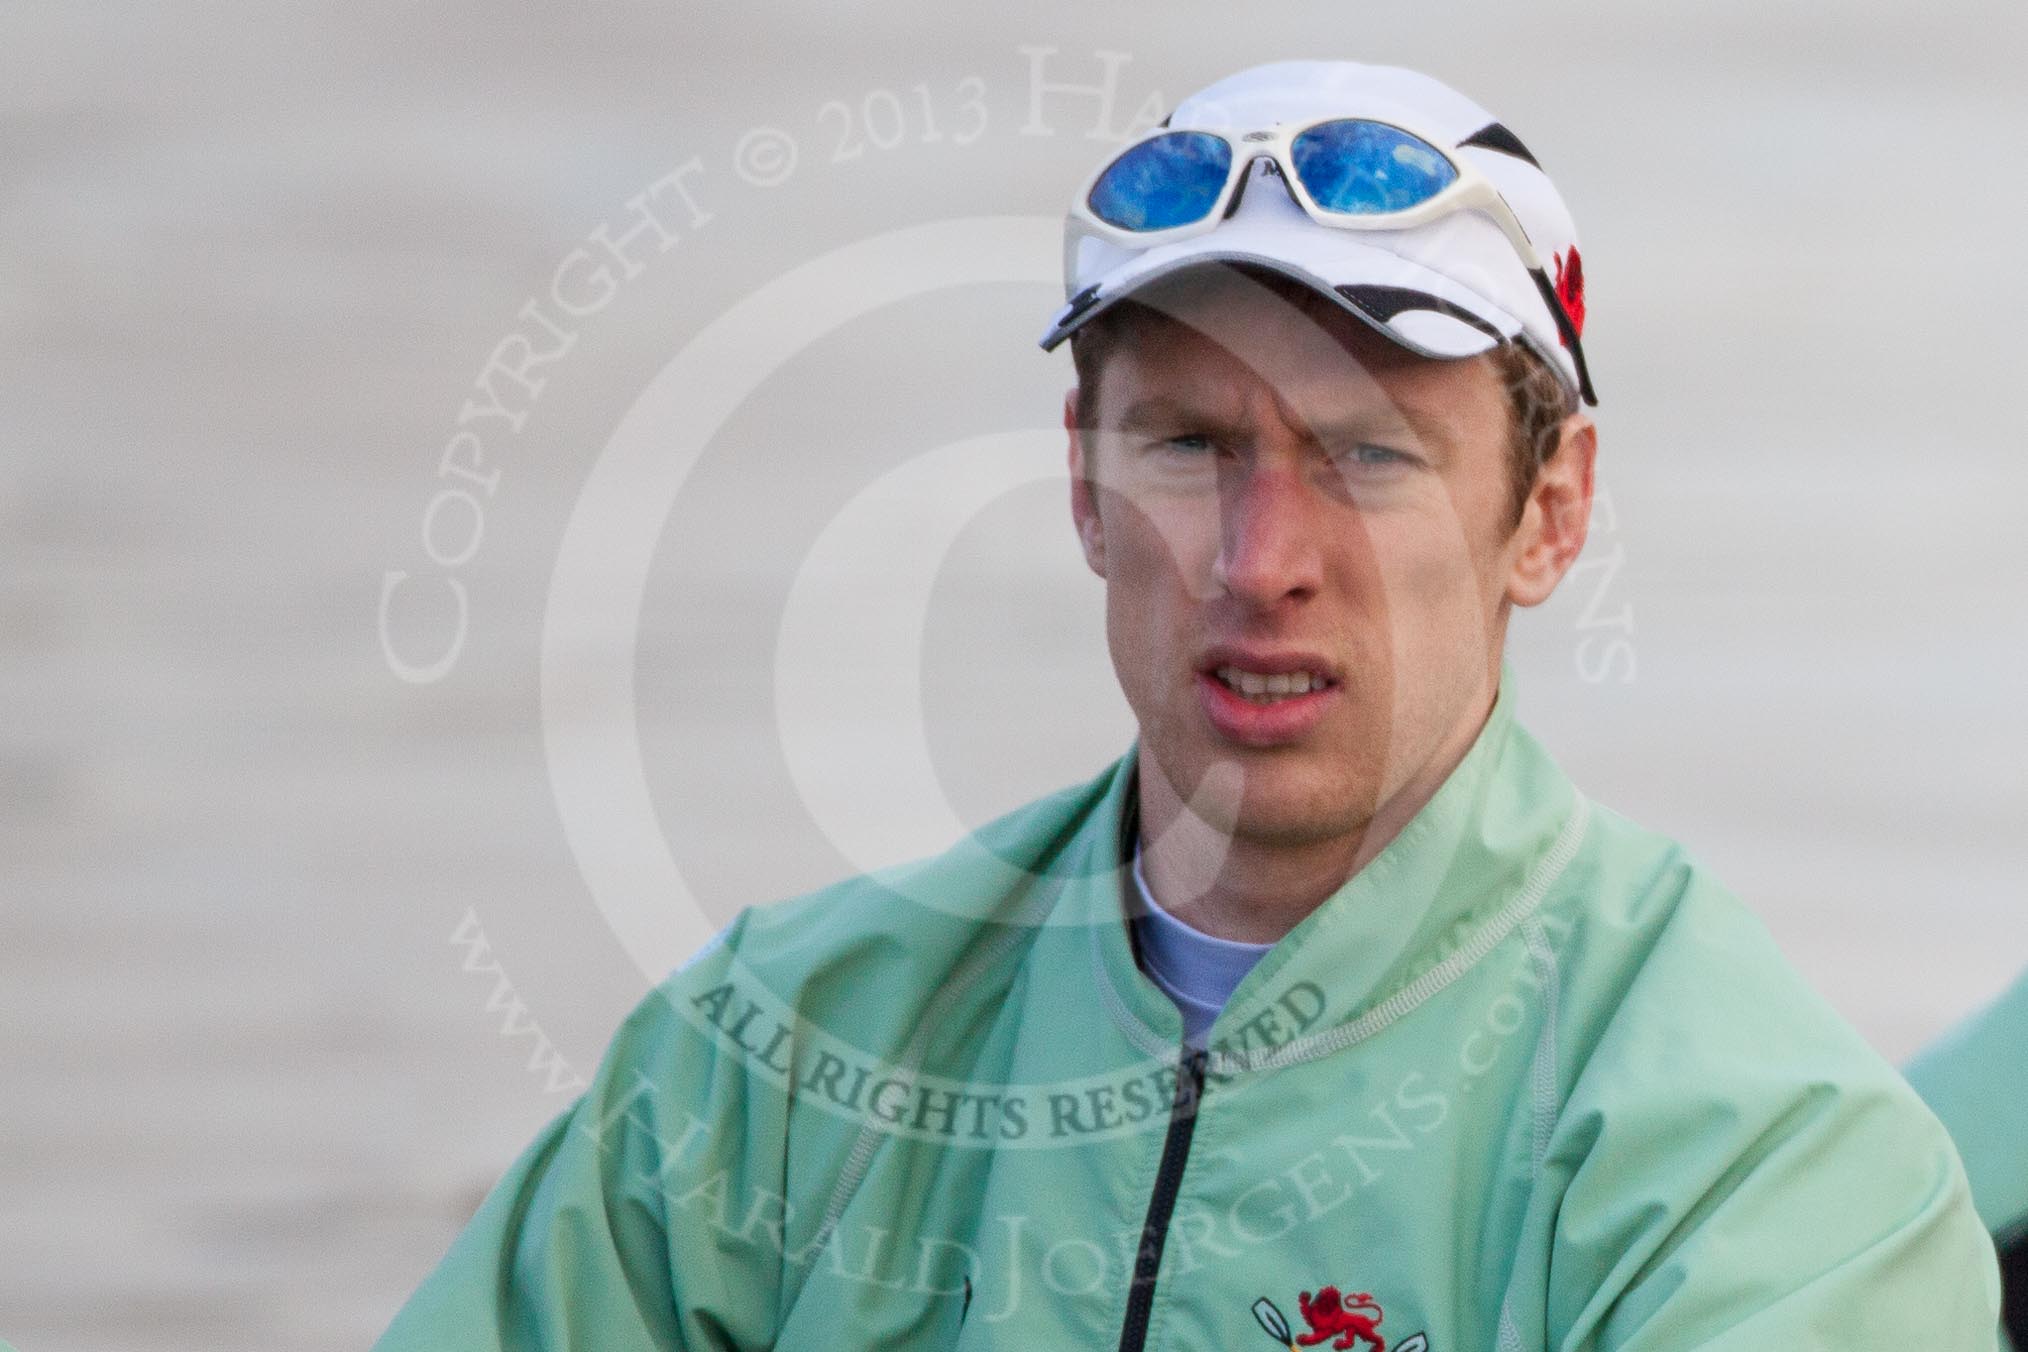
1168 181
1366 168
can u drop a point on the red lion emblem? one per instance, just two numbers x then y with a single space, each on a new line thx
1346 1318
1570 290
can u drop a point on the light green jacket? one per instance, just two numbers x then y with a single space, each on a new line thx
1531 1079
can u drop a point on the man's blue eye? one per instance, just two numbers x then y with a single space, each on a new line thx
1202 441
1366 453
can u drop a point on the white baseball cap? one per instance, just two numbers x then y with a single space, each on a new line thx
1448 283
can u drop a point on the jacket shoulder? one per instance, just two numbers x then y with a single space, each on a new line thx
1635 898
1708 1096
885 940
1650 935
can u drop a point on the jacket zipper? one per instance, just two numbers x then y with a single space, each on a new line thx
1168 1182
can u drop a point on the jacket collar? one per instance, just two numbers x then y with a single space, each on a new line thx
1463 872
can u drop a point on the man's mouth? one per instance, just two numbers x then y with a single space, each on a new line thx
1260 688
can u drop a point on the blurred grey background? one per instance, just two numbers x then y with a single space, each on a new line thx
294 953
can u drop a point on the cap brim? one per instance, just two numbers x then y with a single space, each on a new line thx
1422 310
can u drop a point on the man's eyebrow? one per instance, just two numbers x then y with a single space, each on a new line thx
1162 410
1426 429
1168 411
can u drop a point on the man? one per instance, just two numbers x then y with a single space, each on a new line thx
1330 1012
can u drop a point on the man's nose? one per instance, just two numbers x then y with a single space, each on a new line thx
1268 544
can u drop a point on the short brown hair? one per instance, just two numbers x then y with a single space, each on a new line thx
1537 399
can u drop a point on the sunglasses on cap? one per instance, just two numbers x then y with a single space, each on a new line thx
1350 173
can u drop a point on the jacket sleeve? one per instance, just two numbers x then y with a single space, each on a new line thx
617 1227
1740 1170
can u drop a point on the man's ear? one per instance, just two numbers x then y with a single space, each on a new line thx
1557 514
1084 513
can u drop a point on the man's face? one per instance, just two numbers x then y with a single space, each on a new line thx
1280 487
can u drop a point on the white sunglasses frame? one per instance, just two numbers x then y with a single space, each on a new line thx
1470 190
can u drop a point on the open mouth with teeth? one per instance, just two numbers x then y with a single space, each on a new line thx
1257 688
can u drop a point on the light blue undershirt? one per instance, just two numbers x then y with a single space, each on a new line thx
1198 971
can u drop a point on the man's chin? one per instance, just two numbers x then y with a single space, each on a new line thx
1282 801
1284 825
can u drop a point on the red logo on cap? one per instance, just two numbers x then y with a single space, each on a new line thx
1570 290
